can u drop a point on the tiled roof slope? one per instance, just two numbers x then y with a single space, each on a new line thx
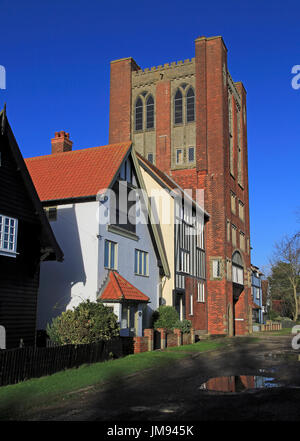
77 173
118 288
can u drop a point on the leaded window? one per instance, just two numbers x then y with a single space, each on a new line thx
139 114
150 112
190 105
178 108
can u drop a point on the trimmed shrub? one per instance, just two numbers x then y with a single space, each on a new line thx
165 317
89 322
184 326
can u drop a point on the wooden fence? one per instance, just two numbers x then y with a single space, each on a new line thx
30 362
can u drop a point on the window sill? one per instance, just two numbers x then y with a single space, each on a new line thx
141 275
136 132
8 253
122 232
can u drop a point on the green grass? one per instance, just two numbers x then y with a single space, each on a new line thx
283 331
22 397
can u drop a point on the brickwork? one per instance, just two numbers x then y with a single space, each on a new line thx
226 312
199 316
140 344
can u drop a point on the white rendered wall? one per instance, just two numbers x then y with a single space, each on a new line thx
149 285
64 285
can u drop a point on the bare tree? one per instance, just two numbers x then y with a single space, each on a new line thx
287 255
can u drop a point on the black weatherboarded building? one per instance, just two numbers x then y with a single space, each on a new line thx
26 239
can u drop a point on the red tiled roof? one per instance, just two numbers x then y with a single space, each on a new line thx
119 288
77 173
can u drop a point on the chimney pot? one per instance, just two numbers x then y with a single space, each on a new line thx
61 142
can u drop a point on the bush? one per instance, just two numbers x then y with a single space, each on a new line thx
89 322
165 317
184 326
272 315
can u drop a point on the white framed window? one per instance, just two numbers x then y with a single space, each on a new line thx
200 233
216 266
111 255
191 305
200 291
141 263
257 293
184 261
8 235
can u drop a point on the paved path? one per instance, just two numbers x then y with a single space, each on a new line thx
174 394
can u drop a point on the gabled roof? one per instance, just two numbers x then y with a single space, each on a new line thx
77 173
49 247
166 181
117 289
82 173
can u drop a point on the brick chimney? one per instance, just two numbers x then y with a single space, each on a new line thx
61 142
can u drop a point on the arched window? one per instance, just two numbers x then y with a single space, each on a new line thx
190 105
237 259
237 269
178 119
150 112
139 114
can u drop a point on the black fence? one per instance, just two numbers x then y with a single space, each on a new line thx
31 362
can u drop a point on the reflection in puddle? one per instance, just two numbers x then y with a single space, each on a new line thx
288 356
239 383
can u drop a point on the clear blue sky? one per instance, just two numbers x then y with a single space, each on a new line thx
57 58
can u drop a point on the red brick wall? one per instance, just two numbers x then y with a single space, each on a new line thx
199 317
140 344
163 126
120 100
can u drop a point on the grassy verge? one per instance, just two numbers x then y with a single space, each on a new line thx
22 397
283 331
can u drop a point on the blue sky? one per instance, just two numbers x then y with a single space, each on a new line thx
57 58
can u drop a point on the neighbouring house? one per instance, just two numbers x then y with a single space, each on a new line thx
181 223
96 204
26 241
266 297
256 287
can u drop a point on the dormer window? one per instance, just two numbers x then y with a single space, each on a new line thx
8 236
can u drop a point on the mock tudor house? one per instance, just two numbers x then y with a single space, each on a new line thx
181 223
27 243
97 207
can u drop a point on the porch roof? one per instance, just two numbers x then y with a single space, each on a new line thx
118 288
